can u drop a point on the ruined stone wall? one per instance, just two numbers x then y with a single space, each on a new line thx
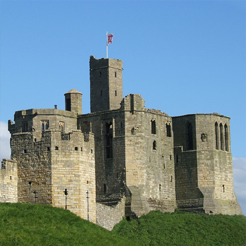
109 216
149 157
8 181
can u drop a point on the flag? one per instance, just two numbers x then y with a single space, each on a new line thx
109 38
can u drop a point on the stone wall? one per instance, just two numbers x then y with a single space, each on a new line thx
73 168
53 158
203 167
149 157
109 216
34 167
106 90
8 181
108 128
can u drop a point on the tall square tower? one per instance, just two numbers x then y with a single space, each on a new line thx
106 91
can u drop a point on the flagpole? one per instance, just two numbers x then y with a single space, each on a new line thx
106 44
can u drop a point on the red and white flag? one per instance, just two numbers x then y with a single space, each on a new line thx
109 38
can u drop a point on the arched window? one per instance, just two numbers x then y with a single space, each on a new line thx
45 125
226 138
153 127
221 137
189 136
216 136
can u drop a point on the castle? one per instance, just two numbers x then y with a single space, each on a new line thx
121 159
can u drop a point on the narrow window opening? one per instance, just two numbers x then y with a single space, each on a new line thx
48 148
30 185
25 151
109 140
164 166
168 128
223 188
45 125
189 137
159 187
10 177
76 148
68 104
170 157
81 149
115 74
56 148
24 126
92 151
154 145
115 93
226 138
221 137
153 127
216 136
171 180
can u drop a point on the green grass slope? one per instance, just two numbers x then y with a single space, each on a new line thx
181 228
30 224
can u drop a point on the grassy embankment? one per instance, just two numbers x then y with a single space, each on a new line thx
30 224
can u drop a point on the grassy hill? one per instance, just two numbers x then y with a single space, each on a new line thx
30 224
181 228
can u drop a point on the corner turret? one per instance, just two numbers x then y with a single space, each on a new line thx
73 101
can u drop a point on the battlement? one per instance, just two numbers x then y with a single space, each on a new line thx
105 63
33 112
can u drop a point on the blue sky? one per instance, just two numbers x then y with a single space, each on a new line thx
183 57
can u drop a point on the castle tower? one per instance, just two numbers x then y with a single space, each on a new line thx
73 101
203 164
105 84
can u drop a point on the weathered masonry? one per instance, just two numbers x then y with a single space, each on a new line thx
121 159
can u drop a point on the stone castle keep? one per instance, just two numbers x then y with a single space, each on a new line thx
121 159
